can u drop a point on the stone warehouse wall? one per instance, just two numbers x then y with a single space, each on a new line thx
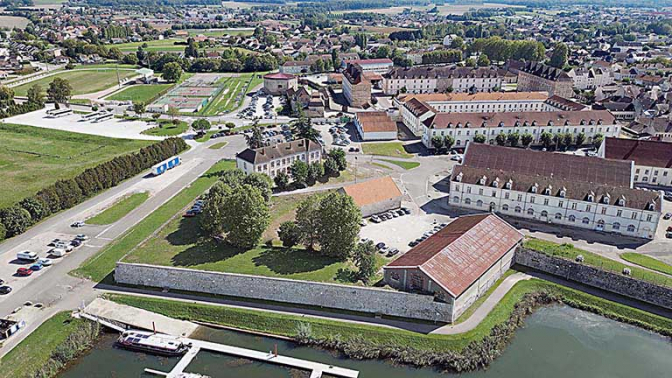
352 298
602 279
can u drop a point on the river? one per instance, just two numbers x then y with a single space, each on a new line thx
556 342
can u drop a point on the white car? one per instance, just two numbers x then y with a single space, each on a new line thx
57 252
45 262
82 237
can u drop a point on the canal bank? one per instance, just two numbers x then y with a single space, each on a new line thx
583 345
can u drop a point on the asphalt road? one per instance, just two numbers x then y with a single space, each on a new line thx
53 287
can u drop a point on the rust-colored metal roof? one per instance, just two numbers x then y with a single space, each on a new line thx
373 122
459 254
373 191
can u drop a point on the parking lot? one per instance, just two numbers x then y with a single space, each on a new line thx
262 106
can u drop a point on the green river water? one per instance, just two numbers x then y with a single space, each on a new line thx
556 342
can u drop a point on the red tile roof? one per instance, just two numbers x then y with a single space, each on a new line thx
279 76
459 254
373 122
643 152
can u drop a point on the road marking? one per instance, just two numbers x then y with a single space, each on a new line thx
93 246
103 238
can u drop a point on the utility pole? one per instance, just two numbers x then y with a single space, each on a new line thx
118 79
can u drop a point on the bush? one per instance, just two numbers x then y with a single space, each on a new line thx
3 232
289 233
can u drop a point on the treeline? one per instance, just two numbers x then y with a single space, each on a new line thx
498 49
230 61
442 56
65 194
16 3
149 3
594 3
116 31
337 5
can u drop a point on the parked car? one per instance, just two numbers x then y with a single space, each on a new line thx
45 262
406 210
400 212
76 243
53 242
189 214
667 216
81 237
23 272
413 243
57 252
27 256
668 235
380 245
77 224
64 246
4 290
392 252
37 266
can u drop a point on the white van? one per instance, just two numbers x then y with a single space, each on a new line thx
57 252
27 255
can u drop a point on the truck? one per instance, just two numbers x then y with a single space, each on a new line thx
171 163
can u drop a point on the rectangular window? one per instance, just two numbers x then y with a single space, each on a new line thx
604 210
561 203
634 215
587 207
506 195
480 192
520 197
649 217
494 193
619 213
546 201
573 206
531 199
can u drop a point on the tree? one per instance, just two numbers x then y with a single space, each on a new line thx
364 258
546 139
315 171
483 60
201 124
173 112
172 72
527 139
307 219
338 227
289 234
580 139
513 139
299 171
470 62
260 181
457 43
361 40
59 90
6 96
559 56
567 139
192 49
130 59
281 180
15 220
501 139
139 108
448 142
480 138
36 95
597 141
255 139
304 130
339 158
3 232
230 125
437 143
330 166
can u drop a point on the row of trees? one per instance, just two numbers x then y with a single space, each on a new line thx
65 194
498 49
304 174
442 144
9 108
442 56
230 60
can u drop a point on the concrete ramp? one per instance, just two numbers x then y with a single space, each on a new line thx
138 318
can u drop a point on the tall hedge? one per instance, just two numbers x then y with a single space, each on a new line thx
65 194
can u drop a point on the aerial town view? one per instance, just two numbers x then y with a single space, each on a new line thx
335 188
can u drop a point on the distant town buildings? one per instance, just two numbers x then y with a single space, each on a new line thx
577 191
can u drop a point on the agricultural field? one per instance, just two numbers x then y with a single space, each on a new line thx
169 45
220 32
83 81
32 158
140 93
11 22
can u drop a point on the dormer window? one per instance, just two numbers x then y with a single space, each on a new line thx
563 193
599 122
550 123
591 122
650 207
582 123
591 198
621 201
516 124
495 184
566 123
468 124
509 184
605 200
534 123
484 124
501 124
525 124
458 178
482 180
535 188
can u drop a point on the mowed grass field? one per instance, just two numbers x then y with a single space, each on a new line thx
226 101
140 93
32 158
83 81
171 44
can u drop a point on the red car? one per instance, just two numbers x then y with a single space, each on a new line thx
24 272
669 229
189 214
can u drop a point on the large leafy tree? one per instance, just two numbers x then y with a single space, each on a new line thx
289 233
36 95
580 139
480 138
172 72
299 170
255 139
201 124
308 219
59 91
513 139
339 158
500 139
527 139
6 96
303 129
559 56
339 225
546 139
364 257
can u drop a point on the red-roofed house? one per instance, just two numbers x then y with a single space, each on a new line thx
278 83
459 263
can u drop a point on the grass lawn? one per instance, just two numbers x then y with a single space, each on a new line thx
381 166
219 32
103 263
403 164
32 157
156 45
647 262
394 149
217 146
119 209
227 99
286 325
82 81
568 251
140 93
167 128
34 351
181 244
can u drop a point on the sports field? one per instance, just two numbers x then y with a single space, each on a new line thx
83 81
32 158
233 93
140 93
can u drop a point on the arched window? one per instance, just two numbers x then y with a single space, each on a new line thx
467 201
616 226
631 228
530 211
505 207
558 216
600 222
544 213
591 198
456 199
563 193
518 209
479 203
572 218
585 220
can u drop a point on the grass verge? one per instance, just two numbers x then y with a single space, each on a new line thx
403 164
119 209
41 354
393 149
647 262
167 128
100 265
568 251
219 145
286 325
